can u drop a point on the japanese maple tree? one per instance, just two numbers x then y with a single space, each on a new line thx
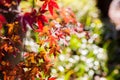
52 28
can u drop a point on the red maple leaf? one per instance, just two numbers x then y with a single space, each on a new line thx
28 18
41 19
40 26
2 20
51 5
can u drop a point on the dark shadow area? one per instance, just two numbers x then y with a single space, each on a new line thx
110 37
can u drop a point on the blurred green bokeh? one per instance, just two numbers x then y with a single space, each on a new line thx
85 59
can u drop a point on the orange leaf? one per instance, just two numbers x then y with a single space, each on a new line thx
46 58
52 40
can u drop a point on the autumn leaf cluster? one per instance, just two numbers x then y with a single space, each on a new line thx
53 28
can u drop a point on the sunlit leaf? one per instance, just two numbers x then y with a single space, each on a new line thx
52 78
51 5
52 40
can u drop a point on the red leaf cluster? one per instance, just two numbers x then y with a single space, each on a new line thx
52 31
29 18
51 4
